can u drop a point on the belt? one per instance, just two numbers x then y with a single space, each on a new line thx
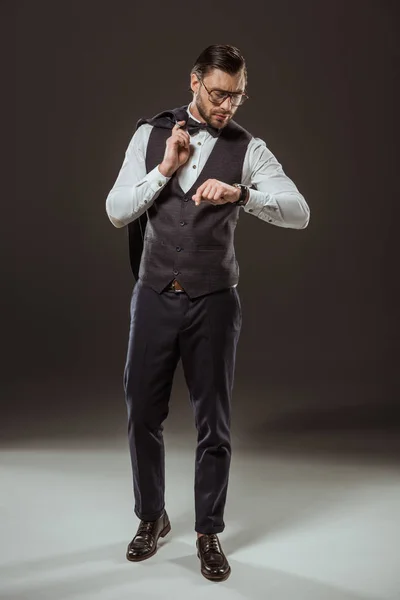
176 287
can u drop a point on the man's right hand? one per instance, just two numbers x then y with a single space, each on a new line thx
177 151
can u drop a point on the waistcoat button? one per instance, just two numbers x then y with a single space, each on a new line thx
178 248
182 223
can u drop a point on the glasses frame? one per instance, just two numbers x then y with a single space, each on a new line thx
227 95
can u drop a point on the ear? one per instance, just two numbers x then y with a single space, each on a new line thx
194 83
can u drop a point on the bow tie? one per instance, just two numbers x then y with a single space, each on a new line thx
194 127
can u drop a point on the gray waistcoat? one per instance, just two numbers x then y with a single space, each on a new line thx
193 244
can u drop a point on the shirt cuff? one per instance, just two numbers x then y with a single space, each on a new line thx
262 205
156 180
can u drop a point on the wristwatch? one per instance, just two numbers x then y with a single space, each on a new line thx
243 194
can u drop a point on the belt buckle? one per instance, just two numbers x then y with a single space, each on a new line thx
176 290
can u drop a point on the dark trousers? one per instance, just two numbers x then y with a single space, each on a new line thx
203 333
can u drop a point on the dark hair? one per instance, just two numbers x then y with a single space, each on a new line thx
220 56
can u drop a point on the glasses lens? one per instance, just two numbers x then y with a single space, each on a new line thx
238 99
218 97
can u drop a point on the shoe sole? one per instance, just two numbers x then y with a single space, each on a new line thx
163 533
215 578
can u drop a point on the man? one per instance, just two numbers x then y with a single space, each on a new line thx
187 174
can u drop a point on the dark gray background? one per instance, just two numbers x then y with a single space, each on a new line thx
319 307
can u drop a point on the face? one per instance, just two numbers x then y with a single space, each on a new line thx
215 115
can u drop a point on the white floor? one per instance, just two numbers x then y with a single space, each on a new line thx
298 526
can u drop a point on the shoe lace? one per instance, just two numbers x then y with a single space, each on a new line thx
145 528
211 543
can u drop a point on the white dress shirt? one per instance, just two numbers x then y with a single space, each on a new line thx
276 199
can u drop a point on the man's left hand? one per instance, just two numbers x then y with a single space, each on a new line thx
216 192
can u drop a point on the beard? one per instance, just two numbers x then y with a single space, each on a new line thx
207 115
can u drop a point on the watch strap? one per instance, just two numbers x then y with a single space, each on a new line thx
243 194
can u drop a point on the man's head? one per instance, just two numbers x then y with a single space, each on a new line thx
218 69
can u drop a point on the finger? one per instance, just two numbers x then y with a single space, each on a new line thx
218 192
215 195
208 193
179 130
186 137
197 196
178 125
182 139
184 134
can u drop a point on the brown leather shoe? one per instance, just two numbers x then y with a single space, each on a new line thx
214 564
144 544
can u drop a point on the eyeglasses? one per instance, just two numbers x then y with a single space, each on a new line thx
218 96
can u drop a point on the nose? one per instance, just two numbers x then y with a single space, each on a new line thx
225 105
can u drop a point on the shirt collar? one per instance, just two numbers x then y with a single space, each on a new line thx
190 114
